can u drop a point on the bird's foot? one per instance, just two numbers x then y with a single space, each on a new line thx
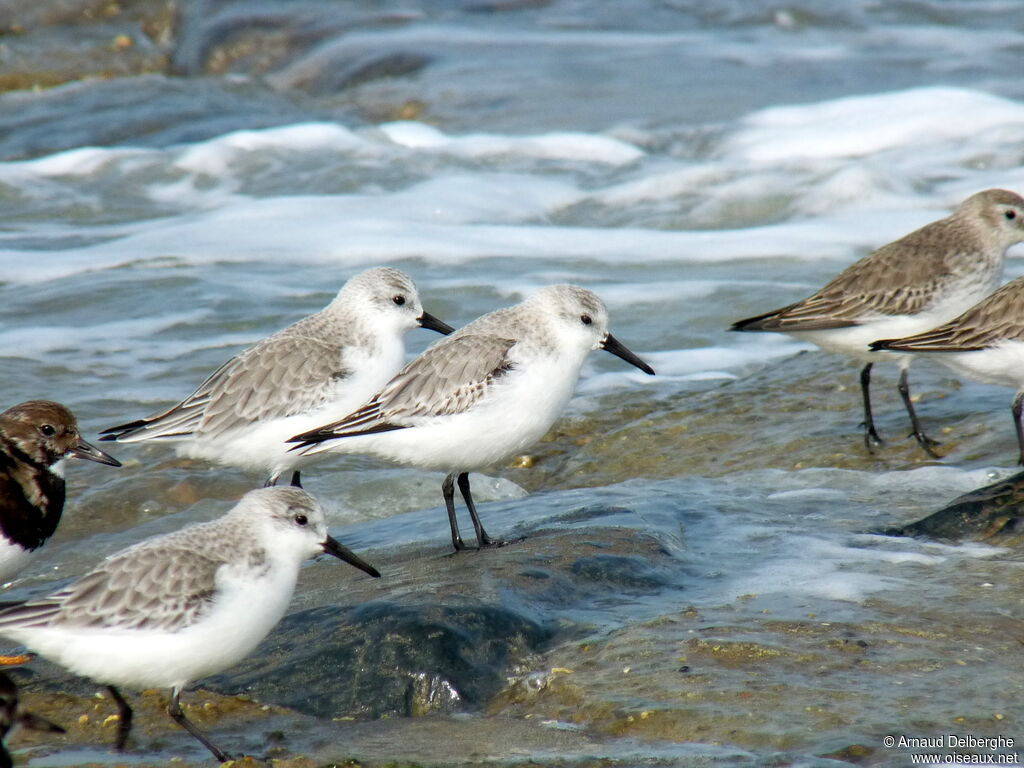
928 445
872 439
486 542
458 545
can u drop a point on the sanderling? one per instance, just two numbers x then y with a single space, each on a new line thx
324 364
12 715
183 605
481 395
35 438
985 343
905 287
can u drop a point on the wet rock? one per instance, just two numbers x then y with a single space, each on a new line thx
244 38
385 659
339 67
629 573
799 412
57 41
994 513
167 111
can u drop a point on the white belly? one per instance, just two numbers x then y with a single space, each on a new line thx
262 446
13 559
244 613
517 413
855 341
1002 364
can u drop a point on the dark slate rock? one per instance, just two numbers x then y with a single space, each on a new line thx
992 513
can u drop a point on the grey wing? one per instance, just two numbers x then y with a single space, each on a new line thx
138 589
281 376
1000 317
446 379
289 375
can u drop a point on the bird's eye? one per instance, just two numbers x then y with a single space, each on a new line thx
399 300
48 430
301 519
1010 215
585 319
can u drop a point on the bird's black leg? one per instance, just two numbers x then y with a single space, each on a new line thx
448 489
174 710
1018 402
871 438
124 717
482 539
922 439
295 479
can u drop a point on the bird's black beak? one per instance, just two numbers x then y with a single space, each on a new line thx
85 450
617 348
430 322
340 551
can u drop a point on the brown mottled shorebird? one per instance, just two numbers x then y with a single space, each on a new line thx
906 287
985 343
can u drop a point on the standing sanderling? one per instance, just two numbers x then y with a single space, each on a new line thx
908 286
183 605
35 438
481 395
985 343
326 363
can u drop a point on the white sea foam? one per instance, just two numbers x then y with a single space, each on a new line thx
839 200
858 126
113 337
82 162
217 156
699 364
840 567
580 147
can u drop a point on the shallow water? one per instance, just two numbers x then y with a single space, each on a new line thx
693 165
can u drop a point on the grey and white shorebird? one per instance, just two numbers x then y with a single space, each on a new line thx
36 437
327 363
985 343
906 287
13 715
183 605
481 395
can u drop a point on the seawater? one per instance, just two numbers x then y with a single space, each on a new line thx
129 271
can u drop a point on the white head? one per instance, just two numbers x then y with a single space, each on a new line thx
1000 211
388 300
293 522
579 319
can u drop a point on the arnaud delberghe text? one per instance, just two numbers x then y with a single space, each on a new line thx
954 741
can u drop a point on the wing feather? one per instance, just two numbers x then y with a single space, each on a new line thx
446 379
285 374
128 591
998 318
902 278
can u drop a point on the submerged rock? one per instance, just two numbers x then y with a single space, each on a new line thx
993 513
394 659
